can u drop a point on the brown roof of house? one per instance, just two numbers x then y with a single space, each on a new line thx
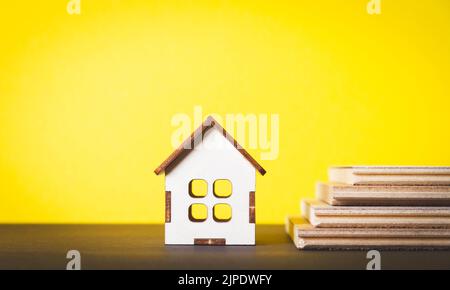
192 140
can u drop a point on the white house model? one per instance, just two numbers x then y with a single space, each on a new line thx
210 190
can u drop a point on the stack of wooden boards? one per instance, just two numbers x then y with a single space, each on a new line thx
376 207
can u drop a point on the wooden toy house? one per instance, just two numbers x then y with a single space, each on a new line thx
210 190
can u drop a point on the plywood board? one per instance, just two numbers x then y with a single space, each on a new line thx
307 237
390 175
305 229
321 214
354 195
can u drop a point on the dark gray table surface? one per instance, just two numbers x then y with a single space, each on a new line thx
142 247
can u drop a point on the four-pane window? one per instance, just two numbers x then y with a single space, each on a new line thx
222 189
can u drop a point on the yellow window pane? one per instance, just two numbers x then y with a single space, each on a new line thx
222 188
222 212
198 212
198 188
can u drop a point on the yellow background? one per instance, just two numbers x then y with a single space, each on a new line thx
86 100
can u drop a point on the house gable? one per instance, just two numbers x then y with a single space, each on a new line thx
215 158
196 139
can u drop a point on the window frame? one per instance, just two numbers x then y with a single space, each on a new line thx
191 193
214 188
191 216
222 220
